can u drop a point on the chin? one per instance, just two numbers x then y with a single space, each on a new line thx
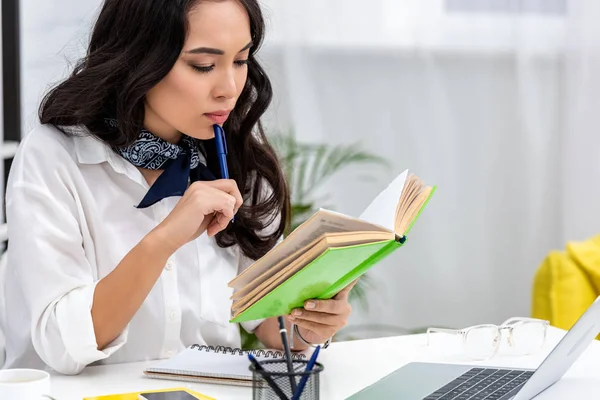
203 133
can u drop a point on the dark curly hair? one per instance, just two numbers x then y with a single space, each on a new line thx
133 46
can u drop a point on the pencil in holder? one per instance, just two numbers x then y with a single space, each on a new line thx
273 382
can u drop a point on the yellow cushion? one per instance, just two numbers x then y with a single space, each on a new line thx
562 290
587 257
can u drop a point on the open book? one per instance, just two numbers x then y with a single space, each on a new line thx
328 252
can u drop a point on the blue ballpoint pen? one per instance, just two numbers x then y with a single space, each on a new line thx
309 368
221 152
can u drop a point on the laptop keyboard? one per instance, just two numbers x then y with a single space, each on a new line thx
482 384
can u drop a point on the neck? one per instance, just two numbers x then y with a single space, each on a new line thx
160 128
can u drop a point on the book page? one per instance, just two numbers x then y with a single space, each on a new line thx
404 221
322 222
382 211
255 290
412 188
278 267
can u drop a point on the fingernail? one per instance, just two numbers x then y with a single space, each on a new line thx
292 318
297 312
310 305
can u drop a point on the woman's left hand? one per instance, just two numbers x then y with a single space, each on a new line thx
321 319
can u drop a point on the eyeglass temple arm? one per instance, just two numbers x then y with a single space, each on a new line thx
442 330
523 319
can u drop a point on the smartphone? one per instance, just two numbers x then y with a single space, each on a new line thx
175 395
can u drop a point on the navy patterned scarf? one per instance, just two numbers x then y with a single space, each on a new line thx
180 162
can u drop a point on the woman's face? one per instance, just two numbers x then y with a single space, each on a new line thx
209 76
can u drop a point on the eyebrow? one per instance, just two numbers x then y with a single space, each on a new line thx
218 52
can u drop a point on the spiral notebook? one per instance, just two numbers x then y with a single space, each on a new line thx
212 364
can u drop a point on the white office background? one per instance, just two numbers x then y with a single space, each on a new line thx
493 101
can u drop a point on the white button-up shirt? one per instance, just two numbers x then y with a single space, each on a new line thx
71 218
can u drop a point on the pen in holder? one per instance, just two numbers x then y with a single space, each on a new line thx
271 380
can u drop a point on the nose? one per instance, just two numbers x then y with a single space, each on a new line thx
226 87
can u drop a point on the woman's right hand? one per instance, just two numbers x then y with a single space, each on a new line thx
205 206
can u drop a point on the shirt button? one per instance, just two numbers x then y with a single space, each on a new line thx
173 315
169 266
168 354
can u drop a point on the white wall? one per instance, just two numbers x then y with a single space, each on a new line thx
473 104
54 35
2 341
463 119
1 125
497 209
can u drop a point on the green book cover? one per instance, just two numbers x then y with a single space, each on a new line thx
325 276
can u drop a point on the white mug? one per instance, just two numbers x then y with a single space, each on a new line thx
24 384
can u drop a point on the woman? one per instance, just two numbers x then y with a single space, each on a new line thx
110 259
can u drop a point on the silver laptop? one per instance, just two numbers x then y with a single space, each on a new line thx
435 381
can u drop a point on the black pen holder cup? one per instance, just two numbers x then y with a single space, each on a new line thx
276 371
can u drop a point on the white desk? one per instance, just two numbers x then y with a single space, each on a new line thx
349 367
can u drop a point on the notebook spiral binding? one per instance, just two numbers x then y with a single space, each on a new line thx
241 352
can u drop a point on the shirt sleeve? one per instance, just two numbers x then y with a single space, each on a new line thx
50 283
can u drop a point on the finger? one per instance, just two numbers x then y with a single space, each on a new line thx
327 306
219 205
230 187
343 295
320 330
213 200
207 221
336 320
224 210
220 222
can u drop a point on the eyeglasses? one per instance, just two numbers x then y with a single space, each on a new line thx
480 342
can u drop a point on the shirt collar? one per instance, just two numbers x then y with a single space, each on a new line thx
91 150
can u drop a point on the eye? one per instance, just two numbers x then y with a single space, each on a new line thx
203 68
241 63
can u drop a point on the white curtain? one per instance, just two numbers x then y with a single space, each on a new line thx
54 35
486 104
581 152
496 107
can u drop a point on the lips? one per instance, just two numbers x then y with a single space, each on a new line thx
218 117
